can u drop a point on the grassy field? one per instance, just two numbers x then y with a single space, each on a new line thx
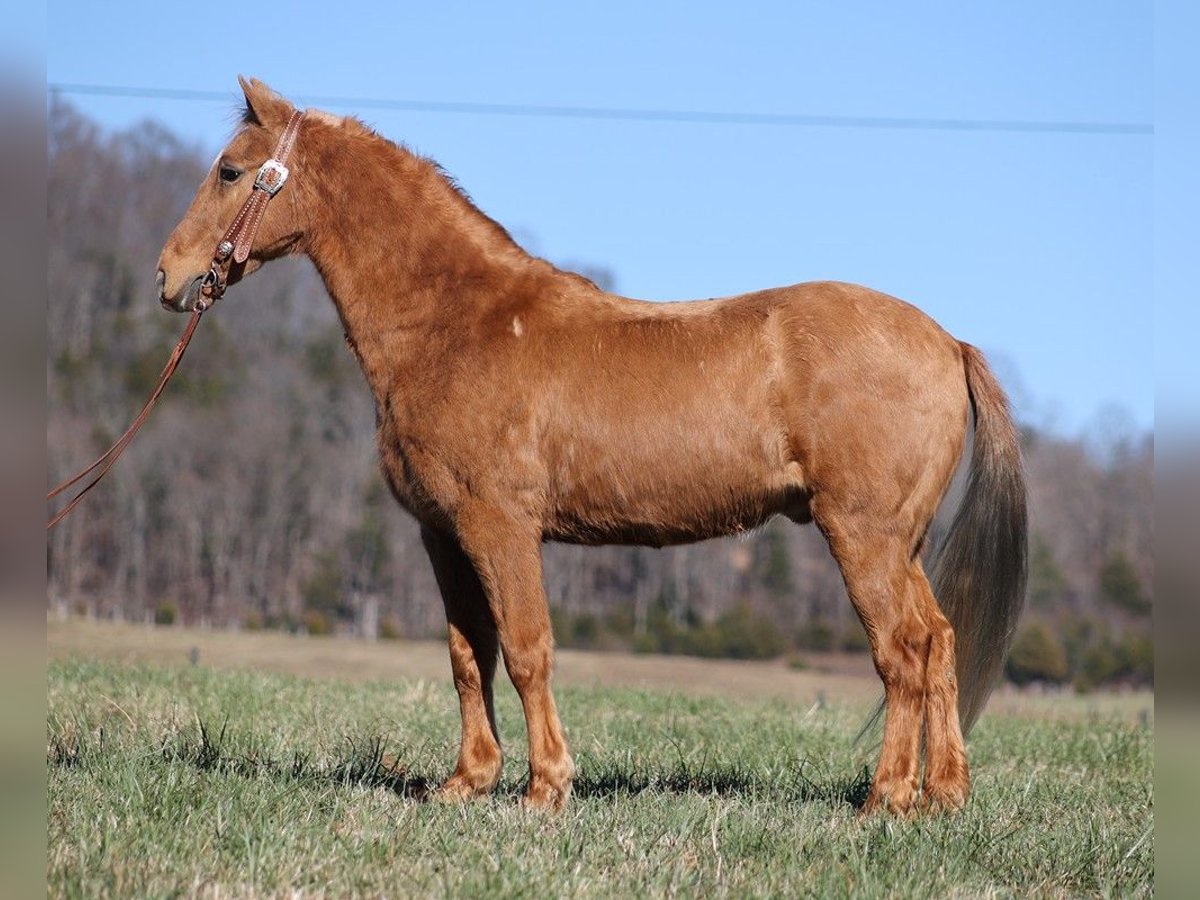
219 779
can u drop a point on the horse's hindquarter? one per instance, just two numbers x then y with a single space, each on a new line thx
877 403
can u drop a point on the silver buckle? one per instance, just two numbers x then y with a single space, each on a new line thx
278 175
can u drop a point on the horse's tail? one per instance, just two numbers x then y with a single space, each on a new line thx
979 576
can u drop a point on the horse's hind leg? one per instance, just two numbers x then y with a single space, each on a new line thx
883 586
473 651
947 780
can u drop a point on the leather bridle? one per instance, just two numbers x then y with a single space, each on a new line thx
234 247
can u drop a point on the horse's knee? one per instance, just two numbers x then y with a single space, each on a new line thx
530 665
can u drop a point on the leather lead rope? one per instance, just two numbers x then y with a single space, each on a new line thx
235 244
109 457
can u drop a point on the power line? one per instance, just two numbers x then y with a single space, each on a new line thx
635 115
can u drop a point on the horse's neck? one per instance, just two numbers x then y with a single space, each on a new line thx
405 257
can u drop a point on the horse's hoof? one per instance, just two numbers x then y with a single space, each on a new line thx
943 798
898 800
546 797
453 790
460 788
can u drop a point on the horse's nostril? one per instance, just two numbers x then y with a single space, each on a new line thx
160 283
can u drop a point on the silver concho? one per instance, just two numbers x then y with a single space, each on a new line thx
271 176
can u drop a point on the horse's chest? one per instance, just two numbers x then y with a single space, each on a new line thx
417 473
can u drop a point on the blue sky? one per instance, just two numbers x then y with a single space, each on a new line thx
1037 247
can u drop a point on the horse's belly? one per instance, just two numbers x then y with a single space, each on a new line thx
651 532
657 499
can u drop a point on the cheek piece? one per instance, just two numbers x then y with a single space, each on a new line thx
234 246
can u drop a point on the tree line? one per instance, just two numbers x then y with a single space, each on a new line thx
253 499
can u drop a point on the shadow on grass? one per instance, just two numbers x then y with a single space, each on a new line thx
359 764
790 786
366 764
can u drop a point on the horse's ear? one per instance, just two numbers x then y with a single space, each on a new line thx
263 105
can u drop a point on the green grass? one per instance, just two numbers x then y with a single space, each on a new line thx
185 781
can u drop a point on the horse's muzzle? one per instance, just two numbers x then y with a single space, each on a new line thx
186 300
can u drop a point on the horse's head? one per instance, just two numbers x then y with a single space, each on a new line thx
188 254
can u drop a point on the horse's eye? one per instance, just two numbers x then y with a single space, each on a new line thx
229 174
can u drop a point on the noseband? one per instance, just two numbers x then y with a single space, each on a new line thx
234 246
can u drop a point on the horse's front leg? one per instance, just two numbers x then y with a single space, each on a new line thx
506 550
473 649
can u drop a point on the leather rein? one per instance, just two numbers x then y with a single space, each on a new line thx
233 248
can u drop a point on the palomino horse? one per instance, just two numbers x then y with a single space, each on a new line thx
517 403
